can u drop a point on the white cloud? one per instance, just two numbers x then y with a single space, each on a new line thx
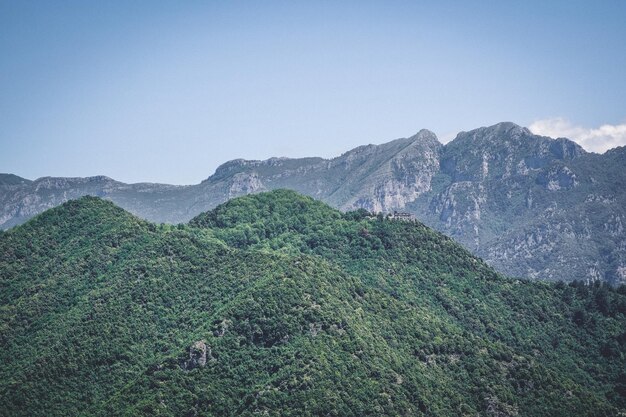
598 140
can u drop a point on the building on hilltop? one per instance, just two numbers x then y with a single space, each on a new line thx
398 215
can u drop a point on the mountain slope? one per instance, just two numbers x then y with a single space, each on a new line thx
531 206
278 304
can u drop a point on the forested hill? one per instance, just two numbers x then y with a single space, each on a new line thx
531 206
276 304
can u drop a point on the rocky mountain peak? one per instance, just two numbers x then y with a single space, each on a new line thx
424 144
495 133
229 168
509 127
508 141
11 179
619 151
425 135
54 183
532 205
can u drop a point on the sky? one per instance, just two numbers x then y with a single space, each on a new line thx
165 91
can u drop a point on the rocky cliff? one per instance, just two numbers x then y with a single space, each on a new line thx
531 206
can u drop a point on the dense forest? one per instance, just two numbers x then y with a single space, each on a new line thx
276 304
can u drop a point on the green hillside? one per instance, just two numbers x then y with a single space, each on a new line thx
276 304
530 206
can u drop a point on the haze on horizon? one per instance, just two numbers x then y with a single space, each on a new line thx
165 92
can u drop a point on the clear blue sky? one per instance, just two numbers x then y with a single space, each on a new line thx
164 91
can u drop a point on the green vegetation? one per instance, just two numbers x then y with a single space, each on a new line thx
298 309
529 205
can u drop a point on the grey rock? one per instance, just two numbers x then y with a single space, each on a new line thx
531 206
198 354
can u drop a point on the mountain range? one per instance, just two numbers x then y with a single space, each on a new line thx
277 304
531 206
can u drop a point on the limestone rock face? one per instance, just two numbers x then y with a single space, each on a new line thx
400 178
244 183
530 205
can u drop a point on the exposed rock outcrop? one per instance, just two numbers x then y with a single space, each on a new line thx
199 353
530 205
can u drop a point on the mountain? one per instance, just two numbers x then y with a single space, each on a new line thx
530 205
345 182
277 304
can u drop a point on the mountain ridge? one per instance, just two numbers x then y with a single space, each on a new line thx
499 190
